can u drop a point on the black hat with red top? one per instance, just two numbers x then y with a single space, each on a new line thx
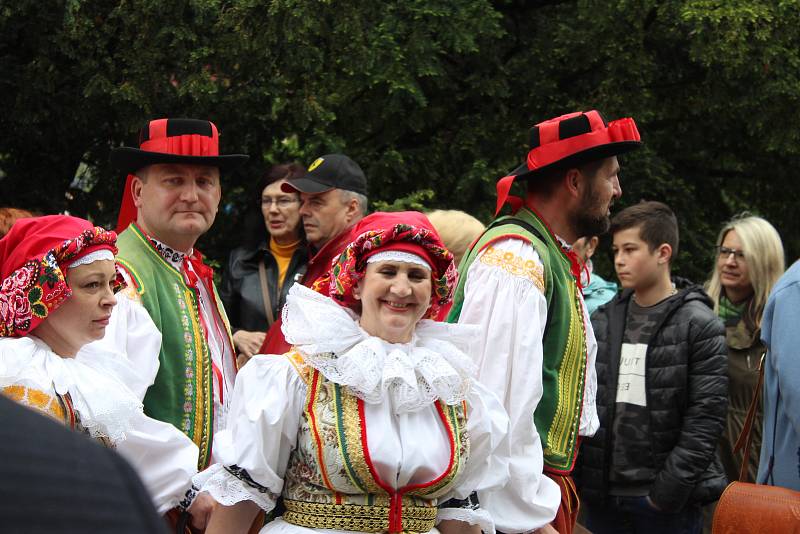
178 141
569 141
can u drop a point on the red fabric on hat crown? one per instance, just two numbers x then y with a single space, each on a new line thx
552 149
183 145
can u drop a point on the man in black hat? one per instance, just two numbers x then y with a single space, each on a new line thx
521 283
333 197
171 198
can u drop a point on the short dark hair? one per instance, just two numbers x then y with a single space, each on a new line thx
656 222
253 225
546 183
280 171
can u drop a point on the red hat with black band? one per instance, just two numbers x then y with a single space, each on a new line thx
179 141
570 141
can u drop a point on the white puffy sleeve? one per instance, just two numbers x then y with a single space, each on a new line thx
253 451
130 335
163 457
487 466
504 296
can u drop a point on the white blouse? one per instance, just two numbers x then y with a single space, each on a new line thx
398 383
504 296
163 457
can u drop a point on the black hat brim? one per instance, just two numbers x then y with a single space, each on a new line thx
579 158
129 160
305 184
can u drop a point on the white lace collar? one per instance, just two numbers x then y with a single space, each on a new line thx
105 405
410 376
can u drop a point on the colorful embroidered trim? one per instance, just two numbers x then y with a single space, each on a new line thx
514 265
562 434
358 518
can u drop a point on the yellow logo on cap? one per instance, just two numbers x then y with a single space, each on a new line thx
317 163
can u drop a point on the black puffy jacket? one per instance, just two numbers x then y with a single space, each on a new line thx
686 382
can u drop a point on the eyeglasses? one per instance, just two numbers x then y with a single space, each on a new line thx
725 253
281 202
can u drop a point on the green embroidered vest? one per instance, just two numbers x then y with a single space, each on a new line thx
557 416
183 390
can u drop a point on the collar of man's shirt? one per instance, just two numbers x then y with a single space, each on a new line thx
170 255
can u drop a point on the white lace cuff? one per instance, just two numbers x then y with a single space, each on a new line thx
473 516
231 484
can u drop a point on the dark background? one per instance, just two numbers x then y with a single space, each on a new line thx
434 98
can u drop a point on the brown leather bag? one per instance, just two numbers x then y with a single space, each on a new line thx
755 508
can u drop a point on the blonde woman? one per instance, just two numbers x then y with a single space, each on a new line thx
749 260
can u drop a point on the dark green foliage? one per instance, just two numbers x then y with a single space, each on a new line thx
433 98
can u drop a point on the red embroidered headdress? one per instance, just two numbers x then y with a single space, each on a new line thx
186 141
406 231
34 258
569 141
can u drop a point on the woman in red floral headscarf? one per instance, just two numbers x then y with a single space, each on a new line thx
57 284
372 423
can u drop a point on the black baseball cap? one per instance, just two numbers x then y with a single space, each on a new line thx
331 171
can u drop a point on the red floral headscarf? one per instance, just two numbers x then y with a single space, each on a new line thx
408 231
34 258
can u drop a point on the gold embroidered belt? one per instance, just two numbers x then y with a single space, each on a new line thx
357 517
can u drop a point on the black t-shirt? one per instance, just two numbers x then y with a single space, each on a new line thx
632 472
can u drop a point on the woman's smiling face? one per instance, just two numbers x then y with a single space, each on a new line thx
394 296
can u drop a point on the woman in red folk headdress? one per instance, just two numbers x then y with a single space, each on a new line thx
57 284
372 422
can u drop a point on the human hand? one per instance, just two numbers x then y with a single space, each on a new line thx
248 343
201 509
547 529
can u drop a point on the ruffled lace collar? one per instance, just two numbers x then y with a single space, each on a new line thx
105 405
434 365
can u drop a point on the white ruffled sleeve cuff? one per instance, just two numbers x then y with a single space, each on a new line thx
473 516
231 484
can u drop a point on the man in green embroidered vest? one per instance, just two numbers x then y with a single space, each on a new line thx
171 198
521 283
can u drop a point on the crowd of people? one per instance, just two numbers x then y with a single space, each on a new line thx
388 372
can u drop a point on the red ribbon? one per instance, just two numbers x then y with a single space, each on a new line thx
503 189
127 211
184 145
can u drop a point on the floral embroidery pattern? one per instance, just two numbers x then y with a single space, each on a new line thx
514 265
349 268
30 293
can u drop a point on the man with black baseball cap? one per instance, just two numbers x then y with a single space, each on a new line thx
333 197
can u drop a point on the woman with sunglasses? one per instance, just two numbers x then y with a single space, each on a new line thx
749 260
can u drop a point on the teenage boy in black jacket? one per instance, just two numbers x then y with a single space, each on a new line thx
662 389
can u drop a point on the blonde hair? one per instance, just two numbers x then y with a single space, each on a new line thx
457 229
763 251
